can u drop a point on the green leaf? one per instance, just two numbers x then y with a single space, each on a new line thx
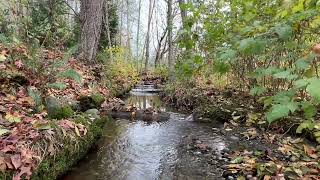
285 75
237 160
72 74
302 64
228 55
251 46
293 106
267 102
309 109
314 89
3 131
284 31
221 67
317 134
198 60
301 83
276 112
283 97
258 90
305 125
58 85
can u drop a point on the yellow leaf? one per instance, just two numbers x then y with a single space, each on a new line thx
2 57
11 118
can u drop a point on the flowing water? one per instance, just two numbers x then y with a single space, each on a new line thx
137 150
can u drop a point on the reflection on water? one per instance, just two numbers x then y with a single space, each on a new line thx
144 102
139 151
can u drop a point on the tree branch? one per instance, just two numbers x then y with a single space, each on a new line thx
74 11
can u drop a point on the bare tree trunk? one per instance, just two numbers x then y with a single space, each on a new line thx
107 22
158 53
138 34
91 15
138 29
170 27
151 6
128 32
121 23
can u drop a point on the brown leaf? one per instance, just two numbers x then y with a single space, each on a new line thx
3 165
8 148
16 160
23 171
310 152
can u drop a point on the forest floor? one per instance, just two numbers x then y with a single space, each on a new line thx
255 150
48 110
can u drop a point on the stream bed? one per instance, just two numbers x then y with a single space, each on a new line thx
178 148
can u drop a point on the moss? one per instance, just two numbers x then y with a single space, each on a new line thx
64 111
98 99
72 151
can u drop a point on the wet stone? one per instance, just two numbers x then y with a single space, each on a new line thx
234 138
197 153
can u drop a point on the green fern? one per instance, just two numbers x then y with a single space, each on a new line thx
71 74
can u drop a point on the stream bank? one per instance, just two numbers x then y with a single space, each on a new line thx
256 150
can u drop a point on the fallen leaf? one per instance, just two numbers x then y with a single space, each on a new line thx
11 118
16 160
2 58
19 64
310 152
3 165
3 131
77 131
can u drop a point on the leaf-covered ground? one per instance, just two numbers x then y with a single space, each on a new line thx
27 135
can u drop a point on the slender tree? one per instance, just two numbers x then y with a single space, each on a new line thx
151 7
170 34
138 29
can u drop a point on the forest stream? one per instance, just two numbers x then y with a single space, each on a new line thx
172 149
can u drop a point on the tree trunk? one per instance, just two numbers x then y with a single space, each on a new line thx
183 12
170 27
138 30
151 7
107 23
91 15
128 32
138 35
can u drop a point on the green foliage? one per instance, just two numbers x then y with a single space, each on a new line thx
251 46
264 46
58 85
71 74
284 31
314 89
97 98
258 90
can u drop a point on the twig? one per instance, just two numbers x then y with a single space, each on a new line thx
289 129
74 11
